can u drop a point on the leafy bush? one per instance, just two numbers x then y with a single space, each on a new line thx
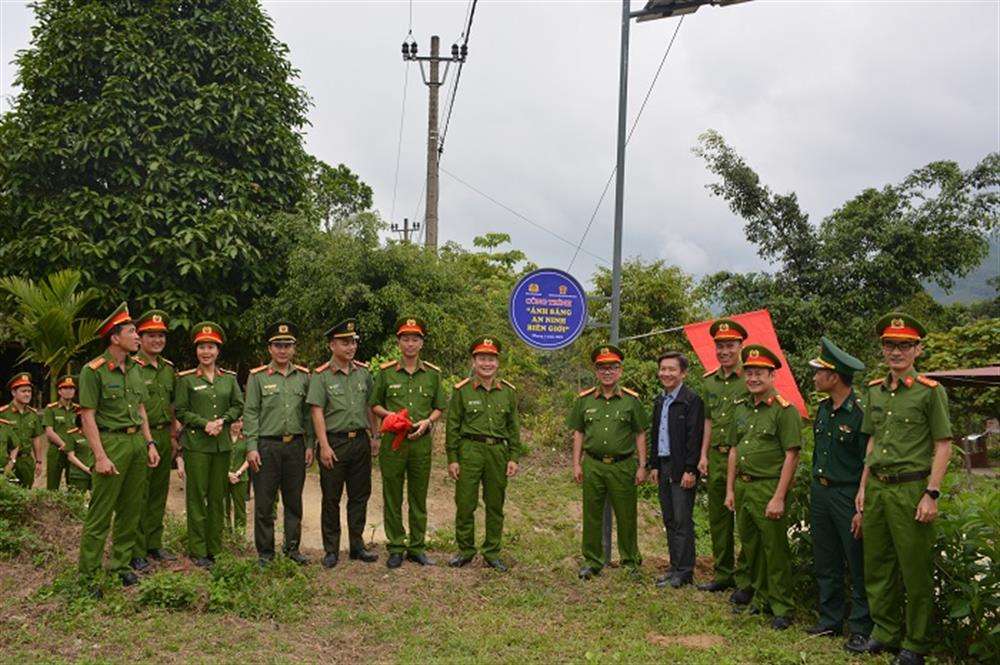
17 532
173 591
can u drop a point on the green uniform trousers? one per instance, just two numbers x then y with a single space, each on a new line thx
485 465
722 525
899 562
207 477
354 469
765 542
235 501
154 504
56 467
410 464
831 509
116 496
78 483
614 482
24 470
282 467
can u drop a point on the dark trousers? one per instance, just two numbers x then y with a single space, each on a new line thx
282 466
354 469
677 508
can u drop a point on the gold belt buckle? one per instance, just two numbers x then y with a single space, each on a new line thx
131 430
608 459
351 435
724 449
745 477
884 477
489 441
288 438
824 481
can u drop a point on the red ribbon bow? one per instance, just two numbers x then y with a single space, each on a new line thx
399 423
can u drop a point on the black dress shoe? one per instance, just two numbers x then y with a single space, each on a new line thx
497 565
395 560
130 579
364 555
820 629
856 643
203 562
715 586
907 657
421 558
161 554
139 564
781 623
741 597
265 561
663 581
871 646
587 572
678 581
298 558
330 560
458 561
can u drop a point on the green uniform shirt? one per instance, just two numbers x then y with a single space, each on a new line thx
475 410
114 392
238 456
199 401
609 424
60 419
343 396
77 443
762 433
419 393
160 384
6 442
721 394
905 423
26 426
840 445
276 404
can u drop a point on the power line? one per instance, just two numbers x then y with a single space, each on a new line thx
458 75
399 147
517 214
642 107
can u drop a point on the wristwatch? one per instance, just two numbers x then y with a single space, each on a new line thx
934 494
150 443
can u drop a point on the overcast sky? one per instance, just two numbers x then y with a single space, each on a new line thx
821 98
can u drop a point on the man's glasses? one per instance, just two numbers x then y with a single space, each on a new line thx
898 346
608 368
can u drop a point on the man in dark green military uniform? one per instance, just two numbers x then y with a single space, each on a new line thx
277 427
207 399
113 420
160 378
59 417
415 385
765 438
609 426
838 459
723 387
906 418
27 430
345 434
483 444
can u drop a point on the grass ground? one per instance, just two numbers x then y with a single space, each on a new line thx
360 613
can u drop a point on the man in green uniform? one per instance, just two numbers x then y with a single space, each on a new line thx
415 385
765 438
838 459
113 419
483 444
906 419
278 429
609 426
81 460
724 386
6 446
57 419
160 378
27 430
345 433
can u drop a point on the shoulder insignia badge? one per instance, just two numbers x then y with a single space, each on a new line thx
322 367
142 363
4 407
432 366
508 384
629 391
187 371
386 365
96 362
32 409
782 401
930 383
4 421
73 430
301 368
587 391
227 371
166 361
709 373
358 363
51 405
461 383
255 370
875 382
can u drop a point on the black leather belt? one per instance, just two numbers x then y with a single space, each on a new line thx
289 438
160 427
351 434
893 478
488 440
747 478
826 482
123 430
608 459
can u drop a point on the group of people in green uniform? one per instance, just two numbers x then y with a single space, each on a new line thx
877 467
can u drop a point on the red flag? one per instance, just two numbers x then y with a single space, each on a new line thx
400 424
760 330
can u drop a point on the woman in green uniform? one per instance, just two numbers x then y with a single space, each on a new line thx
207 401
239 480
80 458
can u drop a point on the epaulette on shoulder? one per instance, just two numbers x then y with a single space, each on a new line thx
740 400
96 362
586 392
32 409
930 383
51 405
432 366
187 371
386 365
709 373
508 384
227 371
4 407
142 363
782 401
322 367
73 430
629 391
301 368
166 361
461 383
255 370
875 382
4 421
358 363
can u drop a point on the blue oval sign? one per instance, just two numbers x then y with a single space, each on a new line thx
548 309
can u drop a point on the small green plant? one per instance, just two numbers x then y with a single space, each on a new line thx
173 591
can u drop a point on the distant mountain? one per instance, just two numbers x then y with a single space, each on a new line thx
973 287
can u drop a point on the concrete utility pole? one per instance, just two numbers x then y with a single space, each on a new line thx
434 80
406 229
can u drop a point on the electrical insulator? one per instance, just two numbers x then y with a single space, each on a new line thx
406 49
454 50
413 49
465 51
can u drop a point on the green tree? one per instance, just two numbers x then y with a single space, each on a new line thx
156 147
336 194
48 320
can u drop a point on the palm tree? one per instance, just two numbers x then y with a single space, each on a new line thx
48 322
